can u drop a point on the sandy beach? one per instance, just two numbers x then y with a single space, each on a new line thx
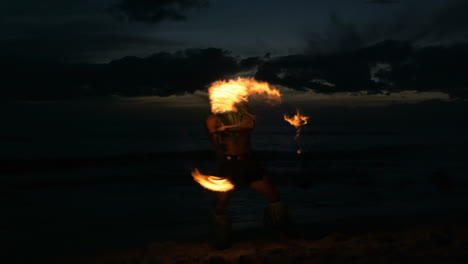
441 238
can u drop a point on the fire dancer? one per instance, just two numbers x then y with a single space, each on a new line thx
230 135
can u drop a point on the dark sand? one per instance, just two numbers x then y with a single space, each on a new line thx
435 238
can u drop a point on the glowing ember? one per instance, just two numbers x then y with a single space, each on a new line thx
224 95
212 183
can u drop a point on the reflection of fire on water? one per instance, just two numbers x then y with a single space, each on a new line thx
213 183
224 97
298 121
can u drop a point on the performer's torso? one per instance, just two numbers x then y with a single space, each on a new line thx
235 143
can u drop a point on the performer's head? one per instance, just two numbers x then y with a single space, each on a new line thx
234 117
244 109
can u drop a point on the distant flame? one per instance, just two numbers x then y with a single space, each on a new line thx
297 121
212 183
224 95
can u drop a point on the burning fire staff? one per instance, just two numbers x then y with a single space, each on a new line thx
230 134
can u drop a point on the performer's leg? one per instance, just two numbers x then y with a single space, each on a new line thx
266 188
222 201
221 222
276 216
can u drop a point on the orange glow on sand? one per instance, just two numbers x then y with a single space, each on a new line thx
212 183
224 95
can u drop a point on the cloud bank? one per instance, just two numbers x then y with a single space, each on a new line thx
160 74
388 66
154 11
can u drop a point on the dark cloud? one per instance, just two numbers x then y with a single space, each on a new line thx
160 74
154 11
389 66
437 68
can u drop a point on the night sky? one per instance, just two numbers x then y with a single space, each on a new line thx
83 49
100 31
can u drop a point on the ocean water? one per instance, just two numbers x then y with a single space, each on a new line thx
85 184
128 203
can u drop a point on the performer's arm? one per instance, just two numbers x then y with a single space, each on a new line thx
247 123
212 129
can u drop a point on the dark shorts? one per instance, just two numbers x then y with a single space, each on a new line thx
241 172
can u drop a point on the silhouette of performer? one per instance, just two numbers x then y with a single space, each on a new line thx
230 134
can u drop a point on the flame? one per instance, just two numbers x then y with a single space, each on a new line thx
298 120
224 95
212 183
